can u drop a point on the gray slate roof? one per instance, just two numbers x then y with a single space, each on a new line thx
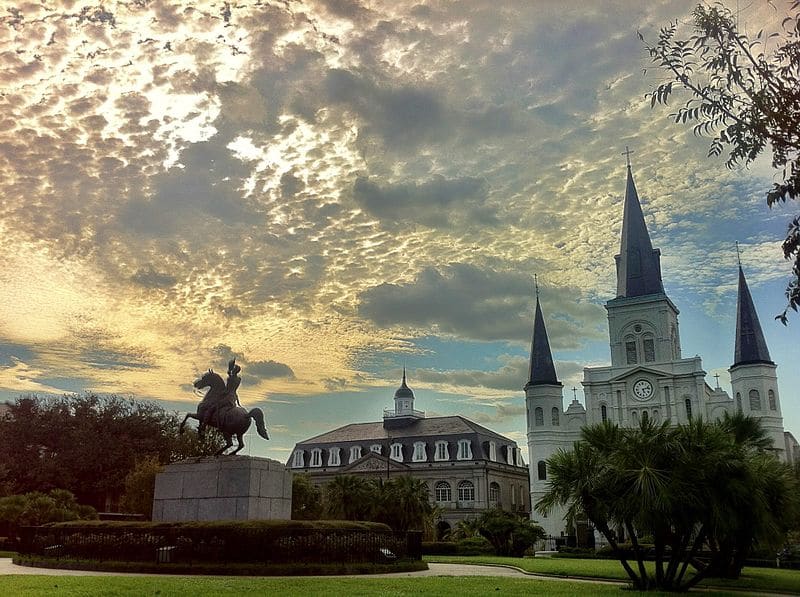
428 427
542 369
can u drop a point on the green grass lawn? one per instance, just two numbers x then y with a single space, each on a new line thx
81 586
765 579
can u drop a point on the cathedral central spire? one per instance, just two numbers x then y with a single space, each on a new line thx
750 344
638 264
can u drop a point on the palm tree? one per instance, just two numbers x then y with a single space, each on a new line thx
404 503
348 497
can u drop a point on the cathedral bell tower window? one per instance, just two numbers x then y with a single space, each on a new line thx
554 416
538 416
648 344
630 351
755 400
603 413
771 398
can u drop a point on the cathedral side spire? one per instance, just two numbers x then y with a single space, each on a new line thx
750 344
638 264
542 369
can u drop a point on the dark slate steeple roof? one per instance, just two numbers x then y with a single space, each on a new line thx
638 264
404 391
542 370
750 344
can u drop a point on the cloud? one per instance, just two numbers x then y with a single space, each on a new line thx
437 202
481 304
269 369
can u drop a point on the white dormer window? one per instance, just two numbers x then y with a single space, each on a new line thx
442 452
375 448
419 452
298 459
316 457
333 457
493 451
397 452
355 453
520 461
464 450
510 454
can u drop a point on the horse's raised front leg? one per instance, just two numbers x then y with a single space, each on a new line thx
186 418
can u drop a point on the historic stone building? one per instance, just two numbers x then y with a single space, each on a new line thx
467 467
648 377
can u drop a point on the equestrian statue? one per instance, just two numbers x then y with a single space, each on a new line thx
221 410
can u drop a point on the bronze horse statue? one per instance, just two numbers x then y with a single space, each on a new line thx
219 409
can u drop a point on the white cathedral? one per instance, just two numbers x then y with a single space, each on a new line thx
648 377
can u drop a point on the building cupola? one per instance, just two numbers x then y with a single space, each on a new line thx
404 413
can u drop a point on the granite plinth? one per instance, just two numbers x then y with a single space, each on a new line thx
223 488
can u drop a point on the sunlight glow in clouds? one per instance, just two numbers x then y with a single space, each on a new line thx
329 189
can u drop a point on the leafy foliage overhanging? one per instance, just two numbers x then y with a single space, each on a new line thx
744 93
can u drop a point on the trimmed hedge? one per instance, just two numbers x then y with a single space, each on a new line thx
260 543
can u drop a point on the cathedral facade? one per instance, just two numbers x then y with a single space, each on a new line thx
648 377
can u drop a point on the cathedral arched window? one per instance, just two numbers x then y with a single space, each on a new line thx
645 417
494 494
738 402
603 413
755 400
538 416
649 348
541 470
688 403
466 491
554 415
771 398
630 350
442 492
656 417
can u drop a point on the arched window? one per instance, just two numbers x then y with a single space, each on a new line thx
656 417
442 453
554 414
688 403
316 457
755 400
635 417
603 413
630 350
738 402
419 452
645 417
441 492
649 348
538 416
333 457
298 459
466 491
541 470
771 398
397 452
494 494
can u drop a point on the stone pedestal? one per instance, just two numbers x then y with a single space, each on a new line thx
223 488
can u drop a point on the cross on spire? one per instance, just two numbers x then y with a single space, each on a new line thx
717 378
738 254
536 285
574 393
627 153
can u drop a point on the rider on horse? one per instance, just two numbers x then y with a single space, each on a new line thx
228 400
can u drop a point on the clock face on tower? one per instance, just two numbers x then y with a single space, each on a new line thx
642 389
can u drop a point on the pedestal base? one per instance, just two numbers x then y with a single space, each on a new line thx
223 488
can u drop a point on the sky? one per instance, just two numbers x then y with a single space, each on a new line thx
330 191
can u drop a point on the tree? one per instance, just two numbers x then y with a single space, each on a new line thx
509 533
687 486
36 508
403 503
140 487
745 94
348 497
306 498
88 444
